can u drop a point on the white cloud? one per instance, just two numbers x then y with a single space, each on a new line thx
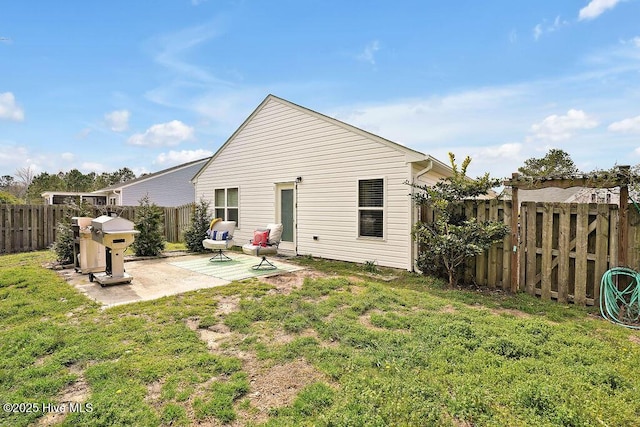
163 134
627 125
117 121
14 156
67 157
441 120
537 31
183 156
503 152
596 8
88 167
558 128
9 110
369 52
543 28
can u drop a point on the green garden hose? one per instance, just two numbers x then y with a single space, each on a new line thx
620 307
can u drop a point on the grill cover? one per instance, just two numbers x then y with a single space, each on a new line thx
111 224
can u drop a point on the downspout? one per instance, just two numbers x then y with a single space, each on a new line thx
414 245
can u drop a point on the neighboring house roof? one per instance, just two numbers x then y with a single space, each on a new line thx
412 156
570 195
149 176
548 194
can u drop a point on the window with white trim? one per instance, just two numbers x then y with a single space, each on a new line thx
371 208
226 204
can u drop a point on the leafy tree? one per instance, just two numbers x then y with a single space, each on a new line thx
78 182
556 163
149 222
45 182
8 198
117 177
450 239
74 181
197 231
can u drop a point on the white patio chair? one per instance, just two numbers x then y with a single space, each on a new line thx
265 242
220 238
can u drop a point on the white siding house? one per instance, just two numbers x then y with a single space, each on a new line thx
339 191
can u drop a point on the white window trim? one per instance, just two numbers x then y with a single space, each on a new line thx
383 209
225 207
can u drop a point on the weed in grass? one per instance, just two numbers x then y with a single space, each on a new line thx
371 267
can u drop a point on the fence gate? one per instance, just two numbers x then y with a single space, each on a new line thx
566 248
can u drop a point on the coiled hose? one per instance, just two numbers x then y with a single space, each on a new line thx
620 307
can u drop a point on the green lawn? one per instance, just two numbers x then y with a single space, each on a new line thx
366 352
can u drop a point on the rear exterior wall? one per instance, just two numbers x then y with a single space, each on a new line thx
280 143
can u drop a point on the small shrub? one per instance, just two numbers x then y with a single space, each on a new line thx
63 246
149 222
197 231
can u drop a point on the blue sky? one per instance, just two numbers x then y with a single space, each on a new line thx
99 85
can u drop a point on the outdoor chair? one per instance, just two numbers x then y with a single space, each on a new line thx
219 238
265 242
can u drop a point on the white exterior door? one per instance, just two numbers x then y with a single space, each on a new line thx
286 214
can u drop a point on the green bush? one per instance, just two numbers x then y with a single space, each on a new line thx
149 222
63 245
197 232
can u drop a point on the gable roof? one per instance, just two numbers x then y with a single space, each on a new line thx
411 155
150 176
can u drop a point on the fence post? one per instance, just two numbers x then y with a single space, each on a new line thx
515 211
623 239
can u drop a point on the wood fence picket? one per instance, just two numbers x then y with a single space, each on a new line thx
33 227
562 249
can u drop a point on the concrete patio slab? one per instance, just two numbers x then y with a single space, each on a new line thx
152 279
157 278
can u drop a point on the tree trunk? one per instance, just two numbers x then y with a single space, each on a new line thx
452 278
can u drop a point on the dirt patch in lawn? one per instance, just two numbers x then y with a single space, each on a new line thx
274 386
75 393
634 339
448 309
285 283
510 312
214 335
227 305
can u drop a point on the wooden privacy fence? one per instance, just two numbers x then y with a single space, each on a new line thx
33 227
562 249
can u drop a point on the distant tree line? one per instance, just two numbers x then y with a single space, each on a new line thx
26 187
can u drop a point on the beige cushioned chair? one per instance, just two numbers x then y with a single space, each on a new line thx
218 241
270 248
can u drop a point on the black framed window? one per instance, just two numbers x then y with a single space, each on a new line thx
371 208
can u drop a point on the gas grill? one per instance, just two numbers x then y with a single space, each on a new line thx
88 255
115 234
